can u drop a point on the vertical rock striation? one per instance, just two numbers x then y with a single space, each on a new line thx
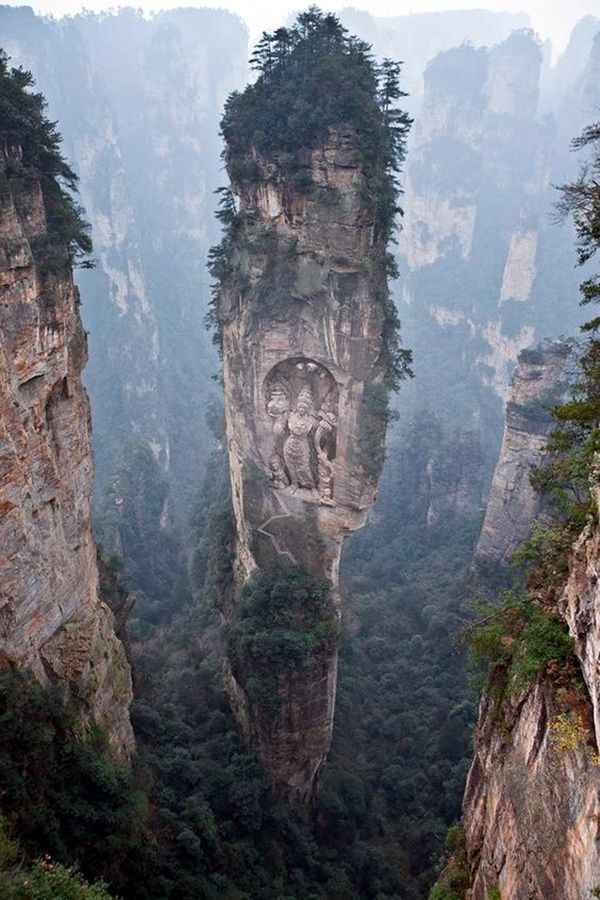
303 324
538 384
531 808
52 621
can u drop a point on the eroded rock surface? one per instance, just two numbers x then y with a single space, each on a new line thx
539 381
531 808
303 337
532 803
52 621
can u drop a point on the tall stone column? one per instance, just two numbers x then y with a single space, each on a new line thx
303 319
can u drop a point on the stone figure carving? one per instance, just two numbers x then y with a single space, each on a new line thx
301 399
296 448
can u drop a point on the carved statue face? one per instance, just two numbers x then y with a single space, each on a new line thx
301 420
303 409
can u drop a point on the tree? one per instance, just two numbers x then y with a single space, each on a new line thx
32 145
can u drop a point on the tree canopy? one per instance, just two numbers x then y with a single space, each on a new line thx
314 75
24 124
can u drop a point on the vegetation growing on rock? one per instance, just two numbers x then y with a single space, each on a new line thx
31 147
522 638
282 623
312 77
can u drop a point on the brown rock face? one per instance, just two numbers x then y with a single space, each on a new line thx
303 336
531 808
538 383
52 622
532 802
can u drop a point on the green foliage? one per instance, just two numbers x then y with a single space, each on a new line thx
567 474
282 623
454 881
59 793
219 260
581 200
44 879
310 77
32 145
442 891
545 554
521 638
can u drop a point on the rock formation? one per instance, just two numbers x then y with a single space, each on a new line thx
531 806
538 384
303 338
486 273
52 621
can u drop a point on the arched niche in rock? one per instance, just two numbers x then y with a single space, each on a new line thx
301 402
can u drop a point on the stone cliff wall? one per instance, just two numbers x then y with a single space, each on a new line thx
538 383
52 621
303 322
531 809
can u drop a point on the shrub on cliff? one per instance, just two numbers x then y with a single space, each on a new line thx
30 144
522 638
281 625
44 879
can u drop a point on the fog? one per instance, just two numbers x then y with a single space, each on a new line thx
552 21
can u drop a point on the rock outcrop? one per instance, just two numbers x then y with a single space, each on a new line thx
538 383
531 810
53 623
531 805
303 323
532 801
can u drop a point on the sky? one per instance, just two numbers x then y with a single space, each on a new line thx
550 18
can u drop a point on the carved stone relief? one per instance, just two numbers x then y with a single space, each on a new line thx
301 401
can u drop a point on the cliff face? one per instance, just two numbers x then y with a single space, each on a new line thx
303 326
52 621
537 385
531 807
